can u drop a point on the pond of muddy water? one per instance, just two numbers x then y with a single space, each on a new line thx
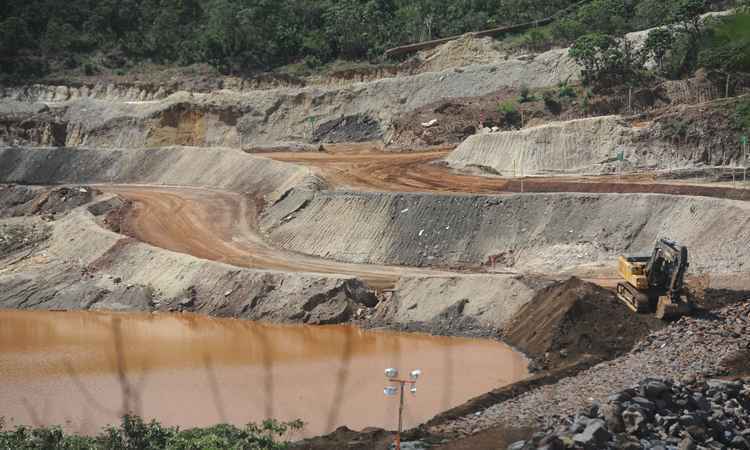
83 369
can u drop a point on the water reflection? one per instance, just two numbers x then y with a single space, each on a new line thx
87 368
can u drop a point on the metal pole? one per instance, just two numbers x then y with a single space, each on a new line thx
523 161
744 176
400 416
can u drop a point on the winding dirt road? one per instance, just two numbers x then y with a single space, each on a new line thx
221 226
365 168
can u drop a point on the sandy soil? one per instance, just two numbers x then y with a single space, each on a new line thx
221 226
366 168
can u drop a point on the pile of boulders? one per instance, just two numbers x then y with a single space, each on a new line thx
658 414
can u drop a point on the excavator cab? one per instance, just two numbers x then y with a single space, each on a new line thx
656 283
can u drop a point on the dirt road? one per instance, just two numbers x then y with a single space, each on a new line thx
221 226
365 168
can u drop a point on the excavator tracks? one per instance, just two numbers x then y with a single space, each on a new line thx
633 298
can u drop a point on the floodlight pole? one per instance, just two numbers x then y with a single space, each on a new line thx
401 384
400 416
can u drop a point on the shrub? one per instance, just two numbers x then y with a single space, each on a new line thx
658 43
535 40
551 104
134 433
565 90
89 69
606 61
510 114
526 95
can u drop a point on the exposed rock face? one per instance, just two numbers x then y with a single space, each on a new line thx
104 91
17 238
490 300
18 200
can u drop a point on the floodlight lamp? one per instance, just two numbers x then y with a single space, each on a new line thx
415 374
413 390
389 391
391 372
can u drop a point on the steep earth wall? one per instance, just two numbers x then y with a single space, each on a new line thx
531 232
576 146
217 168
689 137
61 93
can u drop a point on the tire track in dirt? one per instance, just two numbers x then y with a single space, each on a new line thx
221 226
363 168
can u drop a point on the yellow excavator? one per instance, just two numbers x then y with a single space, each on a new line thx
656 283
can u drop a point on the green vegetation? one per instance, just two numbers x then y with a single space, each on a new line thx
510 114
135 434
725 48
236 36
721 45
299 37
551 103
741 117
564 89
606 60
526 95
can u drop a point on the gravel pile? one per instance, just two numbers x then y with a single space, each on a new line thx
658 414
692 348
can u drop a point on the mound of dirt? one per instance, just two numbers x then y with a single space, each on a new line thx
16 201
572 319
460 52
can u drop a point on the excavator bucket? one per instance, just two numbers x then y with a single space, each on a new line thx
667 309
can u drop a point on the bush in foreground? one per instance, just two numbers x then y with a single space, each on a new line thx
134 433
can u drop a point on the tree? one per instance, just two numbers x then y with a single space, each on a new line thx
652 13
606 61
359 28
727 48
687 13
14 36
58 37
658 43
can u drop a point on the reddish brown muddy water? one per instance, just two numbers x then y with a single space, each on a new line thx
83 370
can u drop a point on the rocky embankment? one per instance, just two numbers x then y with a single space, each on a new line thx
659 413
709 344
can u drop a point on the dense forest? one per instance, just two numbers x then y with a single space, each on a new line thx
250 36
